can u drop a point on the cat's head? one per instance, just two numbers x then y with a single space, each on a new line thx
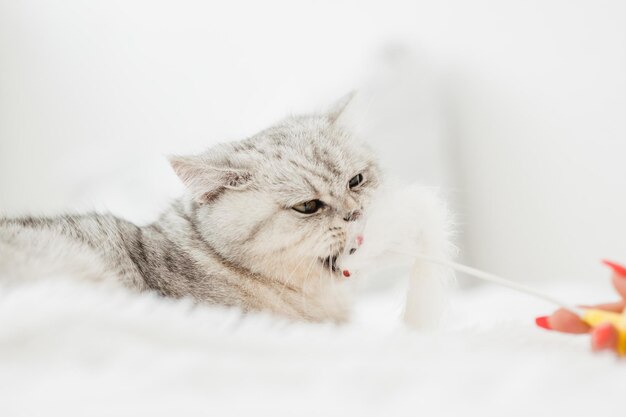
287 202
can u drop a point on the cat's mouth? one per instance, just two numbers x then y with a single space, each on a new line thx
330 262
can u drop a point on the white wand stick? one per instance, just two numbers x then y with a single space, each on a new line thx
486 276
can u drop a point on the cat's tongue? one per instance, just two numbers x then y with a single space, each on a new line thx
346 273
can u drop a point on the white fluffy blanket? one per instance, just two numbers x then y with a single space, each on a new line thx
72 349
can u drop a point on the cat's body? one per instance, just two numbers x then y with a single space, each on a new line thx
263 226
169 256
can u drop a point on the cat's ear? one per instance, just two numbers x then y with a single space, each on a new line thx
340 105
205 179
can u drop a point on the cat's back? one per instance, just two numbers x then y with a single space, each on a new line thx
85 246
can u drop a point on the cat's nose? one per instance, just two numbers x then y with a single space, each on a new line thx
352 216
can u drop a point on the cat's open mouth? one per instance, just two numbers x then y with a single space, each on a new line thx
330 262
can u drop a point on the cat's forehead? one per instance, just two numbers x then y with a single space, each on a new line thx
312 140
309 155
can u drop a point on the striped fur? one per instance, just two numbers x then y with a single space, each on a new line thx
234 238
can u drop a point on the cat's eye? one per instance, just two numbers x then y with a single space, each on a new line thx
355 181
308 207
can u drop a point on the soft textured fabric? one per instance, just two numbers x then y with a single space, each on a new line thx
74 349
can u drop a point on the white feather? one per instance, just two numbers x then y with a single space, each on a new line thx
417 219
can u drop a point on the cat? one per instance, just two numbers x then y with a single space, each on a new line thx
263 226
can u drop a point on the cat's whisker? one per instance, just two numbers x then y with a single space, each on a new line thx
321 276
292 274
303 282
289 277
330 277
306 279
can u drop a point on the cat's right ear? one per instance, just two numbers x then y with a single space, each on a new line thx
205 181
339 106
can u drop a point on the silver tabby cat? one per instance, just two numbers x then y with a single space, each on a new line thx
264 226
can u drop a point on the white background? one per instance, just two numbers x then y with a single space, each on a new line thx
515 108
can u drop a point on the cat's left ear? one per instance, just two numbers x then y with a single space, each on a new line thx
340 105
206 179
